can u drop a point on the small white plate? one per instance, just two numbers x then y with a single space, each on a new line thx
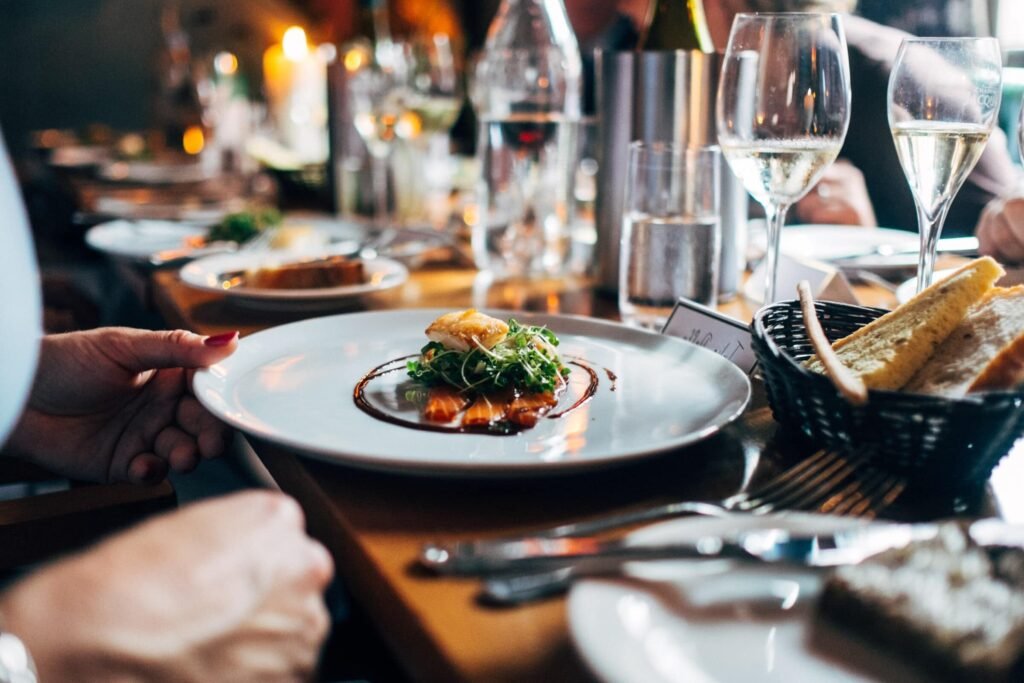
207 274
905 292
294 384
138 240
829 242
705 621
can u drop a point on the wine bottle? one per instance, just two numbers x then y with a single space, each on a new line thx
676 25
374 24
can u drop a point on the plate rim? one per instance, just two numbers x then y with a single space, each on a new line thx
396 274
203 379
579 593
187 228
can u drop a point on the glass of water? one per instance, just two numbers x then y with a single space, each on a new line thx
671 231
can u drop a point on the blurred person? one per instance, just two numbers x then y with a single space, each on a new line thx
870 188
226 590
1001 229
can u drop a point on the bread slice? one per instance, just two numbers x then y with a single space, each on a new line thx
978 342
1005 371
888 351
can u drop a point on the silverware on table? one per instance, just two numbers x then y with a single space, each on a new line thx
770 546
827 481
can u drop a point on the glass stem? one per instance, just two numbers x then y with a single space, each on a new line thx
776 216
379 166
929 229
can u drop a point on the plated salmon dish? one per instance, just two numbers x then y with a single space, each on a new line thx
482 372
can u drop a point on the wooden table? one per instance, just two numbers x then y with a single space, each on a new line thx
374 524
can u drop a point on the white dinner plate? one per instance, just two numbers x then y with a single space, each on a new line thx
138 240
705 621
905 292
208 273
829 242
294 385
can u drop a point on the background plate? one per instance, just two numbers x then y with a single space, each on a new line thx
207 274
293 385
700 621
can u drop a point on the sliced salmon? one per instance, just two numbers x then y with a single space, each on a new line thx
487 409
444 402
525 410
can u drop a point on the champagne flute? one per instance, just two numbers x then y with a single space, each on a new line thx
434 96
377 80
943 101
783 109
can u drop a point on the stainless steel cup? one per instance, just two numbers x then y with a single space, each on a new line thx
666 96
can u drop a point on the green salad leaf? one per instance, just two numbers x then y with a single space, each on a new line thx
244 225
526 359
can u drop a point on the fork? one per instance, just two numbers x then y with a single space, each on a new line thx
863 497
827 481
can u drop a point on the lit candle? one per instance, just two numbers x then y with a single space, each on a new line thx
295 79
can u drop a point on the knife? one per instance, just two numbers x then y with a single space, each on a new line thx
776 546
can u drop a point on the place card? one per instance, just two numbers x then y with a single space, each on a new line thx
827 282
703 326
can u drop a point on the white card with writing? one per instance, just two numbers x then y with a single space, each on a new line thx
827 282
706 327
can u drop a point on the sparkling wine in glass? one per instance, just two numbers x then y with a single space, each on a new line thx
943 100
434 96
377 83
783 110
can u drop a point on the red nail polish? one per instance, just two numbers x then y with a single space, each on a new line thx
222 339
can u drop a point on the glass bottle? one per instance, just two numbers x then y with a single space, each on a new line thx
676 25
527 96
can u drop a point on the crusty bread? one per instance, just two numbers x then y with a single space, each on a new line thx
888 351
1005 371
983 338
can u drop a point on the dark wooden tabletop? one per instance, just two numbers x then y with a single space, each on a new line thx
376 523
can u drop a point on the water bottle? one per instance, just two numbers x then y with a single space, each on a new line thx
527 97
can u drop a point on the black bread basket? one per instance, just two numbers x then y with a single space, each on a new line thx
949 444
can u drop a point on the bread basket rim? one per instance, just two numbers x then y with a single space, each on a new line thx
793 305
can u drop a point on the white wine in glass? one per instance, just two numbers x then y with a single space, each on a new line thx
783 110
943 100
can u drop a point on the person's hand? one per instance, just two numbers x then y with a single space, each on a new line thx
839 198
115 404
1001 230
226 590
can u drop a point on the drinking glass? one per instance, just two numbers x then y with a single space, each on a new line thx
782 111
943 101
377 81
671 233
434 95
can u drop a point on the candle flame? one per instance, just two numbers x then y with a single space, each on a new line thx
193 140
294 43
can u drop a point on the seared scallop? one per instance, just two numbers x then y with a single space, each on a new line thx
463 330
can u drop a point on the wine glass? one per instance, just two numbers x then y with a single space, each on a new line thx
434 95
782 111
943 101
377 80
